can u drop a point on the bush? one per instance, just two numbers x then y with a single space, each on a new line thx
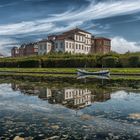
68 62
124 63
134 61
110 61
33 63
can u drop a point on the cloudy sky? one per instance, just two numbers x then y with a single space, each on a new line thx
31 20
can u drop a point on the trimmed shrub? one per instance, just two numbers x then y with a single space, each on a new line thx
68 62
123 61
110 61
134 61
29 63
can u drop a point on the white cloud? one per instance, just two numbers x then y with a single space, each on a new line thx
25 28
100 10
67 27
121 45
5 44
72 18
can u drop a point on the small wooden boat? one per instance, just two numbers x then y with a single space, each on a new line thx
101 73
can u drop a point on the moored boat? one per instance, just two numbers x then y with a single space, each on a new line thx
84 72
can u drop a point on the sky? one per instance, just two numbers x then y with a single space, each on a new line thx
24 21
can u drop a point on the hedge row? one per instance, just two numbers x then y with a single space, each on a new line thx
109 60
21 64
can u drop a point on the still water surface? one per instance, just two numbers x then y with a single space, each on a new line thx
68 112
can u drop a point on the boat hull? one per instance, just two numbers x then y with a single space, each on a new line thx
100 73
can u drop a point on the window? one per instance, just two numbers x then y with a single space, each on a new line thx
45 47
82 39
61 44
49 46
66 94
56 45
79 46
66 44
73 45
76 37
70 45
82 47
40 47
76 46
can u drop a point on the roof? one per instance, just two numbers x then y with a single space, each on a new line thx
75 31
23 46
52 35
104 38
69 39
44 40
15 48
1 55
80 34
61 37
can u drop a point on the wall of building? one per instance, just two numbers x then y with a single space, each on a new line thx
79 43
102 45
44 47
15 52
31 50
59 46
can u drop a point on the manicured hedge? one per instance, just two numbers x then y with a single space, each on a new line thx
31 63
110 61
68 60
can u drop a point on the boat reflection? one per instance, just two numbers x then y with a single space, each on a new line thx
73 98
107 77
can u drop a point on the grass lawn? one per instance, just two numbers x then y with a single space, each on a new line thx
72 70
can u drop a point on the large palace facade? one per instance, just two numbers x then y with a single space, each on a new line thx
74 41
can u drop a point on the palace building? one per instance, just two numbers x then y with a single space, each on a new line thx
76 41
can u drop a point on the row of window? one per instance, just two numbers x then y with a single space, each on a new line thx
70 95
107 43
88 41
80 38
57 44
78 92
78 46
83 39
45 47
79 101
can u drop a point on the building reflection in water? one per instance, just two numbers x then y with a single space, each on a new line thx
73 98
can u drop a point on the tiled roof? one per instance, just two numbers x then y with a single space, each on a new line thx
76 30
44 40
102 38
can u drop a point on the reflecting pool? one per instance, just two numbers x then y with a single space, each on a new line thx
68 111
